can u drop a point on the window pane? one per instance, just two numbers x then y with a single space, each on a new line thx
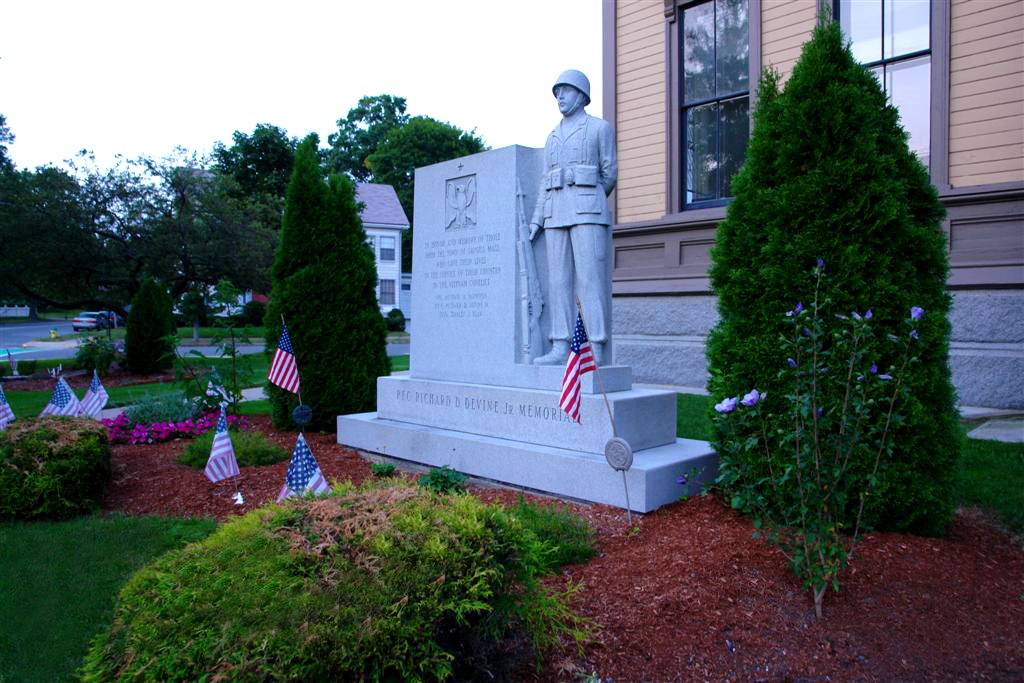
906 27
908 84
861 21
734 130
387 292
699 52
732 46
701 165
387 248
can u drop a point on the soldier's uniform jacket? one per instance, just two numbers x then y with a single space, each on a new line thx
580 171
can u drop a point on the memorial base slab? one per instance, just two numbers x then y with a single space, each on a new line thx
652 481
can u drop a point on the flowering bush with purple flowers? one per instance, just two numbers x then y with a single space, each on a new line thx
122 430
827 443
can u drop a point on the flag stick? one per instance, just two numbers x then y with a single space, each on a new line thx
607 405
597 373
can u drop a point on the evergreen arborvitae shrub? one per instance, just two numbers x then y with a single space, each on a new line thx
324 285
828 175
150 324
388 582
52 467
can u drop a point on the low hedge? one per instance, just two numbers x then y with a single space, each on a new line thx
383 582
52 467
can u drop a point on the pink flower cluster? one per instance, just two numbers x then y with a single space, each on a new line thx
121 430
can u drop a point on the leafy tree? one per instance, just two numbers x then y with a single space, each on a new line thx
323 287
421 142
828 175
147 342
6 138
359 134
261 163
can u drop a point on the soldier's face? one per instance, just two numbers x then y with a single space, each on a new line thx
569 99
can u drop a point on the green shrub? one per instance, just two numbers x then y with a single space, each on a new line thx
251 450
151 328
52 467
25 367
569 537
376 583
395 320
383 470
173 406
828 175
95 353
443 480
253 313
324 282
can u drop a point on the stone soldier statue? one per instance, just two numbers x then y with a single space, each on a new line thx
579 173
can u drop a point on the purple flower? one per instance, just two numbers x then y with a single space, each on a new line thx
916 312
855 314
869 315
885 378
751 399
874 369
727 405
807 332
681 480
820 411
791 363
821 264
799 308
823 370
913 334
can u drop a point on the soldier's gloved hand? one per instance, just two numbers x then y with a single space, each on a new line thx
534 229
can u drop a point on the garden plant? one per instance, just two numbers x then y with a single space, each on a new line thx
324 288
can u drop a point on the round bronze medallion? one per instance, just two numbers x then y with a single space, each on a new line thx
618 453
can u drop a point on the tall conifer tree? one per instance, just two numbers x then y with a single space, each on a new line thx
147 344
324 281
829 176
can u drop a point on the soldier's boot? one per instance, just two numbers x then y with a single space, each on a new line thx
559 353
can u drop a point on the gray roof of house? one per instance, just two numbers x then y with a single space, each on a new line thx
381 205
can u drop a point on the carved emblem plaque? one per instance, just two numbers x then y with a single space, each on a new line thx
460 203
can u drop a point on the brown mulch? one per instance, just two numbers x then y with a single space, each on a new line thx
117 377
688 594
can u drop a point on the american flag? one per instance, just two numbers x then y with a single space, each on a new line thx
303 473
62 402
95 398
581 361
283 371
222 463
6 414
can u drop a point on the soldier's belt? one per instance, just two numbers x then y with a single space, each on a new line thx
585 176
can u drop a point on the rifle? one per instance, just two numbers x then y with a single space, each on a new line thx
531 299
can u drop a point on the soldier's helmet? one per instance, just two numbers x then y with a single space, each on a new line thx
577 80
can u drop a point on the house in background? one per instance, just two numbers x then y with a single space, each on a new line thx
954 69
384 220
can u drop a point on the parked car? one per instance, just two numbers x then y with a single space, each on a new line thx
89 320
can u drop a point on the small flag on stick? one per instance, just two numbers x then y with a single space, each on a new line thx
283 371
95 398
303 473
215 387
581 361
222 463
6 414
63 401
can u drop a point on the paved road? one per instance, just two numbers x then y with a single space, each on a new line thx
14 335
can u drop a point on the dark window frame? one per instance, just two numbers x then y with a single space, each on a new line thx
715 99
938 105
676 208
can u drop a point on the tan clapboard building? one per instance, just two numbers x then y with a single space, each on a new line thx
955 69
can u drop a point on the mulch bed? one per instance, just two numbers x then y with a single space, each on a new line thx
117 377
688 594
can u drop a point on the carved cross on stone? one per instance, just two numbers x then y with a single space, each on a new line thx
460 165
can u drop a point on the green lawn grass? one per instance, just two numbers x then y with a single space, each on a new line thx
59 580
399 363
992 478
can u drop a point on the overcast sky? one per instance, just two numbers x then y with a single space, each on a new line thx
141 77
